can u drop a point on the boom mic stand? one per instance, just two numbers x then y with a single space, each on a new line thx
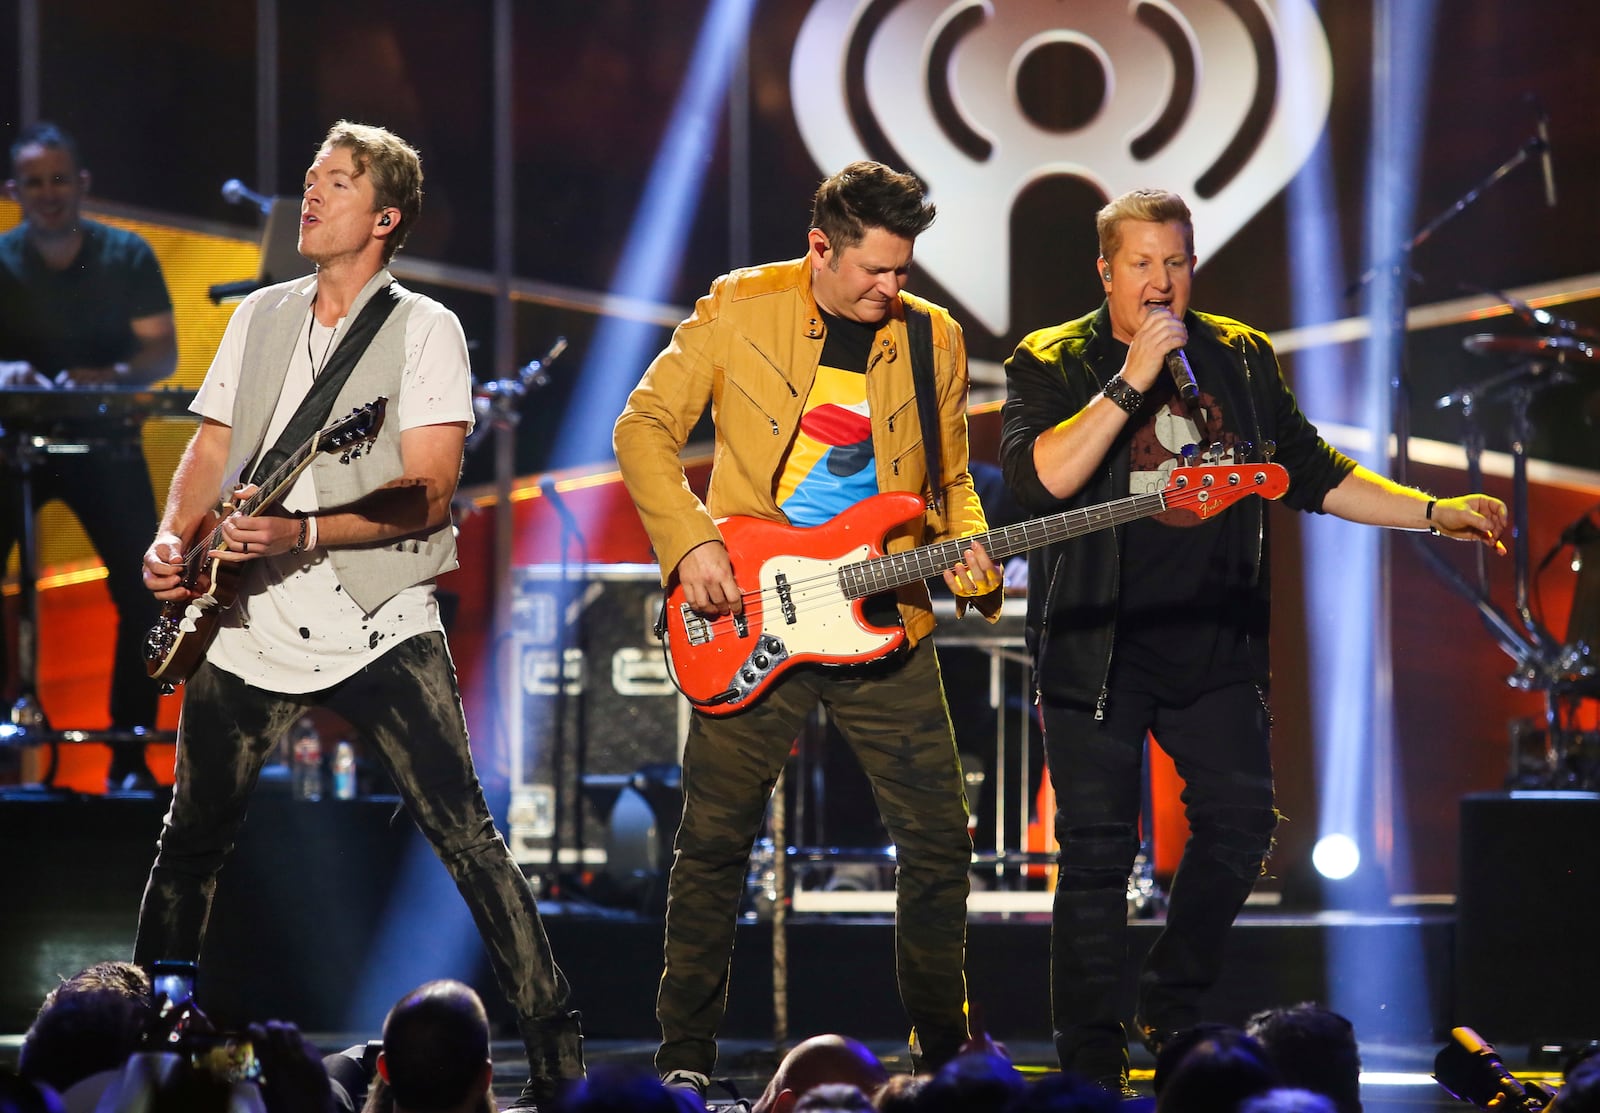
1530 646
496 405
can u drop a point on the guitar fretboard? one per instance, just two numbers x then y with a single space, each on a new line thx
268 493
868 577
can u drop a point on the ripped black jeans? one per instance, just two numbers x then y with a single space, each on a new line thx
1220 745
406 704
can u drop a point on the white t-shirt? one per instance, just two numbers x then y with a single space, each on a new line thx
293 628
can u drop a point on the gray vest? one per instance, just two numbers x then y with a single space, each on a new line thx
372 573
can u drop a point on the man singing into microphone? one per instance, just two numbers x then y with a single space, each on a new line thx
1161 625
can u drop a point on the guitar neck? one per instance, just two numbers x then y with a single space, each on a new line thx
271 491
868 577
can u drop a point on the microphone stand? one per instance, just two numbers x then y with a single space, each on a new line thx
496 405
1400 266
1529 646
498 402
571 630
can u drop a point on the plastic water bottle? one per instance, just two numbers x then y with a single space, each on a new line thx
344 771
307 761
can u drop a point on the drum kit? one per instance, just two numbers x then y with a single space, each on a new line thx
1564 669
36 423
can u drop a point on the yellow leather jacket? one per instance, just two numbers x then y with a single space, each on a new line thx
751 348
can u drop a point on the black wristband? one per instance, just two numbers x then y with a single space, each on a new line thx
300 541
1127 398
1433 529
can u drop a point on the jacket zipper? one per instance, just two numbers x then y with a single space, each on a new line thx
1111 647
772 421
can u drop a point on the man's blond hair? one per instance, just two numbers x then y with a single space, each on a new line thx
1157 206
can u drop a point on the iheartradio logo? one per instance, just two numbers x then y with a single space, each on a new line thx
1220 100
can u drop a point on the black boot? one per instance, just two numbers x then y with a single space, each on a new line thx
555 1059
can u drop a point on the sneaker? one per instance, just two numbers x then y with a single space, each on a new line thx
689 1082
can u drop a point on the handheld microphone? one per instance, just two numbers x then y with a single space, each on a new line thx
1183 376
235 192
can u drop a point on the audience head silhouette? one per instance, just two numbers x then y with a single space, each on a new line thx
435 1056
816 1062
1313 1049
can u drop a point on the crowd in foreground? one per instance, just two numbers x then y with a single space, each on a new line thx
105 1041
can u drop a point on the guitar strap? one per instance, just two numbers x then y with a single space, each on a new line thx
318 402
919 329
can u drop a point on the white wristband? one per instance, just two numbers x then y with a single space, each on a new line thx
311 532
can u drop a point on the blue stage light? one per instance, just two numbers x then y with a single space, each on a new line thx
648 270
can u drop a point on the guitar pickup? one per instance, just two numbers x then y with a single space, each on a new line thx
695 626
785 597
741 625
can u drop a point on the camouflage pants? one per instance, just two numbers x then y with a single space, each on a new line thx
893 715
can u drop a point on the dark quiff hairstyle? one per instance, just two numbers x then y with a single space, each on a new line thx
396 171
870 195
45 134
1157 206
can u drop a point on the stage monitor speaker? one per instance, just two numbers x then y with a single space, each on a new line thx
597 705
1527 965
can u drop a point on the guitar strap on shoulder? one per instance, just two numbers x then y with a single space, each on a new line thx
919 329
318 402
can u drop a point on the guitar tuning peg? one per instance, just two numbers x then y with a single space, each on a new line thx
1216 452
1189 452
1243 450
1269 449
344 457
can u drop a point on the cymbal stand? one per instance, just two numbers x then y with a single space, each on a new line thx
1540 658
26 716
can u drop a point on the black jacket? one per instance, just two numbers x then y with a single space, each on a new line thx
1072 587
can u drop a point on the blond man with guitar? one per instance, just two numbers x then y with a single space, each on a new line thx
341 402
822 450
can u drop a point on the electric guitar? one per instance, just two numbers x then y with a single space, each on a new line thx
802 587
177 642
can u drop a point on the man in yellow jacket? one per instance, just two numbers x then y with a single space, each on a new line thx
807 366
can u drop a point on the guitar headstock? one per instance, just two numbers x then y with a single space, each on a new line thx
359 427
1206 489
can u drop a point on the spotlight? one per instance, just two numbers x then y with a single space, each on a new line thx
1336 857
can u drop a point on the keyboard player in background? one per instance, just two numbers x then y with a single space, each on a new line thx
84 306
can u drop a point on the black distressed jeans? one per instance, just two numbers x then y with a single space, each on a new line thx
894 716
1220 745
408 706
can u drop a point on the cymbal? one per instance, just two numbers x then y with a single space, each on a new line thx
1557 348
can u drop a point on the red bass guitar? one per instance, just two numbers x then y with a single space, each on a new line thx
802 588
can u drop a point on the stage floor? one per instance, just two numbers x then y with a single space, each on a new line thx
325 915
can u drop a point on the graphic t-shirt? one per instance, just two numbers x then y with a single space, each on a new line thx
1179 607
830 465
